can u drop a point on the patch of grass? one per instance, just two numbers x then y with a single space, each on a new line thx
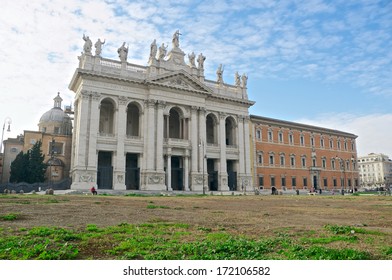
330 239
151 206
336 229
10 216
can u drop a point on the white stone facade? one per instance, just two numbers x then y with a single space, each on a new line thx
158 127
375 170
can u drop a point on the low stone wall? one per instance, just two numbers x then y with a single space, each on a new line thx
27 188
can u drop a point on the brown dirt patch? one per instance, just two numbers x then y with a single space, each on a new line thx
249 215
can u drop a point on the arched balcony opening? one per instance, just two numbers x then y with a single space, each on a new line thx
230 131
133 120
106 117
211 129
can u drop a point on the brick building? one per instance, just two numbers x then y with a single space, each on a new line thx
290 155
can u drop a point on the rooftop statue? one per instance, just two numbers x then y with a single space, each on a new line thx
244 80
162 51
176 39
98 47
200 61
219 74
191 58
237 79
123 53
153 50
87 44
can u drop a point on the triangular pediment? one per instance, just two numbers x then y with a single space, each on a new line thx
180 80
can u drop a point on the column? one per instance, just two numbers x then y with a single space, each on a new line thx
84 169
119 158
202 135
168 172
159 136
247 152
223 183
241 136
150 137
186 171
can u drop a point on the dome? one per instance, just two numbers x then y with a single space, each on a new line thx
56 120
55 115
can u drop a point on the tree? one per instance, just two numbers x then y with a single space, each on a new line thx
19 168
29 167
37 167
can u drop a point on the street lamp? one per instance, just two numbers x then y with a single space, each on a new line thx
8 121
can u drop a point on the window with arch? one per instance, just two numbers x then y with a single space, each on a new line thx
302 140
211 129
133 114
324 163
291 138
260 158
230 131
280 136
314 161
303 161
312 141
338 144
333 164
331 143
292 160
258 134
282 159
106 116
271 158
270 135
322 144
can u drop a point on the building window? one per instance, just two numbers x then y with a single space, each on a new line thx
270 136
303 162
283 181
333 164
282 160
325 181
305 181
324 163
280 135
57 148
57 130
314 162
261 181
330 143
258 134
302 140
352 146
291 138
272 181
292 160
338 144
345 145
260 158
335 184
293 182
271 159
14 150
322 142
312 141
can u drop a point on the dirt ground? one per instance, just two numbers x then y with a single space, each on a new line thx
250 215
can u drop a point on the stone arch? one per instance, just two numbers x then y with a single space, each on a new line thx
133 119
212 122
175 123
230 131
107 109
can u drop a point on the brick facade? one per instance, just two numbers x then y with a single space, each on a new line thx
290 155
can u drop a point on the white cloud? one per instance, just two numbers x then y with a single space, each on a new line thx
373 131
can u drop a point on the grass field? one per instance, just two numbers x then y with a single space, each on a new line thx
195 227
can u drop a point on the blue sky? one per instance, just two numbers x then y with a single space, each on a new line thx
326 63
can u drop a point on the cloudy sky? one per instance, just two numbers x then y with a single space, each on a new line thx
325 63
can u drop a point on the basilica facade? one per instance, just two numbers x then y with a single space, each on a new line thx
160 127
